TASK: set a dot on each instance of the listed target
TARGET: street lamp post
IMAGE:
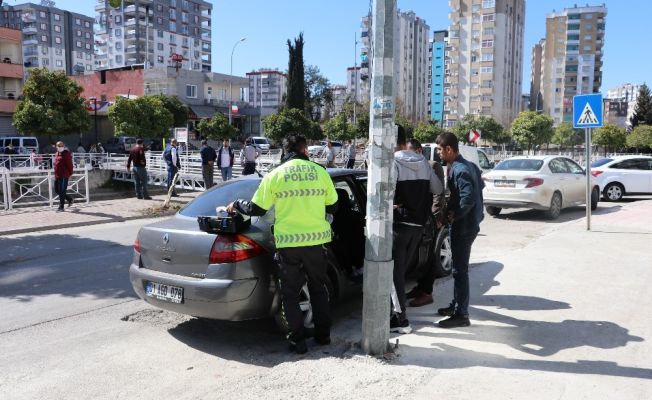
(231, 81)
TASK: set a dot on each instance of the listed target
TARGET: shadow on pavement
(538, 338)
(66, 265)
(567, 214)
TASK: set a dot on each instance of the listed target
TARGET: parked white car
(471, 153)
(318, 150)
(260, 142)
(548, 183)
(623, 175)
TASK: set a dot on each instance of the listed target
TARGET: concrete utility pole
(379, 264)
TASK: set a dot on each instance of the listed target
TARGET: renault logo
(166, 238)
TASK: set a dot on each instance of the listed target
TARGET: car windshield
(520, 164)
(602, 162)
(221, 195)
(260, 141)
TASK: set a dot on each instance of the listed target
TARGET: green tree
(610, 137)
(176, 107)
(531, 128)
(115, 3)
(567, 136)
(144, 116)
(52, 105)
(317, 92)
(287, 122)
(402, 121)
(640, 137)
(361, 114)
(217, 127)
(643, 108)
(338, 128)
(427, 132)
(296, 93)
(490, 129)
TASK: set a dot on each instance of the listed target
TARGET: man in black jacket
(416, 183)
(208, 157)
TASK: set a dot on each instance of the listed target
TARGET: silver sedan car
(178, 267)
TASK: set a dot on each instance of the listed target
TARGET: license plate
(505, 184)
(164, 292)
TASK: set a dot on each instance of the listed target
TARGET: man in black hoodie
(416, 183)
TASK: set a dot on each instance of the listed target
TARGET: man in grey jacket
(416, 183)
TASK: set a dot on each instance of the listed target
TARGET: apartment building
(11, 76)
(52, 38)
(436, 81)
(625, 96)
(572, 58)
(157, 33)
(536, 100)
(411, 65)
(354, 83)
(484, 61)
(267, 88)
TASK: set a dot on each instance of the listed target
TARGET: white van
(471, 153)
(260, 142)
(21, 144)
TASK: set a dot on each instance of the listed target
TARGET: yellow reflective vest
(299, 190)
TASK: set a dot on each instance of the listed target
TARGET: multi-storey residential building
(365, 58)
(268, 86)
(536, 100)
(436, 81)
(625, 96)
(411, 66)
(572, 58)
(11, 76)
(52, 38)
(339, 93)
(626, 92)
(484, 65)
(354, 83)
(157, 33)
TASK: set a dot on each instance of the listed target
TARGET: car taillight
(233, 248)
(532, 182)
(137, 246)
(596, 173)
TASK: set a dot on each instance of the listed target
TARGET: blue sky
(329, 28)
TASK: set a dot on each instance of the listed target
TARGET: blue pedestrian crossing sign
(587, 111)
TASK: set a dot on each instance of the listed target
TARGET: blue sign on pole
(587, 111)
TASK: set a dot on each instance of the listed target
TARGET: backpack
(167, 155)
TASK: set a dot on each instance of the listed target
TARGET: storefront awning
(201, 112)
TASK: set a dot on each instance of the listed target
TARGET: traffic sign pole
(587, 138)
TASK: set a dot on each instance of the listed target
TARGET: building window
(488, 17)
(44, 38)
(42, 14)
(185, 41)
(160, 59)
(87, 35)
(191, 91)
(487, 57)
(58, 52)
(57, 28)
(159, 7)
(173, 13)
(59, 63)
(87, 24)
(118, 19)
(77, 21)
(57, 17)
(88, 46)
(118, 59)
(118, 45)
(476, 19)
(159, 46)
(488, 31)
(80, 55)
(89, 56)
(173, 38)
(488, 3)
(45, 62)
(184, 17)
(88, 67)
(79, 33)
(173, 26)
(159, 33)
(487, 70)
(588, 16)
(209, 90)
(488, 43)
(588, 48)
(44, 27)
(78, 44)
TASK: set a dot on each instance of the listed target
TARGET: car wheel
(493, 211)
(443, 254)
(613, 192)
(595, 198)
(306, 310)
(555, 206)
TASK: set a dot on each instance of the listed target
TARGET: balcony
(8, 105)
(141, 2)
(28, 17)
(141, 22)
(9, 70)
(30, 29)
(29, 42)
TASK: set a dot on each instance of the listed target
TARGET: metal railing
(35, 187)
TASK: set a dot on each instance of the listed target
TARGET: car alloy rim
(556, 204)
(446, 254)
(305, 307)
(614, 193)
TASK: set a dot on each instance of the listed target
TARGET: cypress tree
(296, 79)
(643, 109)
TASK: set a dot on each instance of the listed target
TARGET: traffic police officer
(301, 192)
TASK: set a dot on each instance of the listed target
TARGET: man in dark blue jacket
(171, 157)
(464, 214)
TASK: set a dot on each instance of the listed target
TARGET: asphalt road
(72, 327)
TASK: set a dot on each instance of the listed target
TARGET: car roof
(333, 172)
(543, 158)
(620, 158)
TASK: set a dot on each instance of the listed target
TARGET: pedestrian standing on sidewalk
(330, 155)
(464, 215)
(301, 232)
(225, 160)
(208, 157)
(416, 183)
(62, 172)
(421, 294)
(171, 157)
(350, 152)
(139, 160)
(248, 158)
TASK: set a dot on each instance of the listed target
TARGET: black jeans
(249, 168)
(140, 181)
(406, 241)
(461, 249)
(60, 187)
(295, 265)
(351, 163)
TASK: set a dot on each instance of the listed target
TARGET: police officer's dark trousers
(295, 265)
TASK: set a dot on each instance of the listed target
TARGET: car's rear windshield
(221, 195)
(520, 164)
(260, 141)
(602, 162)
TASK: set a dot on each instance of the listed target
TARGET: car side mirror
(492, 164)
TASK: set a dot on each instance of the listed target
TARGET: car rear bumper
(223, 299)
(514, 204)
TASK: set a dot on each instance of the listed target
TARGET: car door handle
(166, 259)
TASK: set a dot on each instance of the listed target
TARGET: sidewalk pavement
(36, 219)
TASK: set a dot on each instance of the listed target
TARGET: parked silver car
(178, 267)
